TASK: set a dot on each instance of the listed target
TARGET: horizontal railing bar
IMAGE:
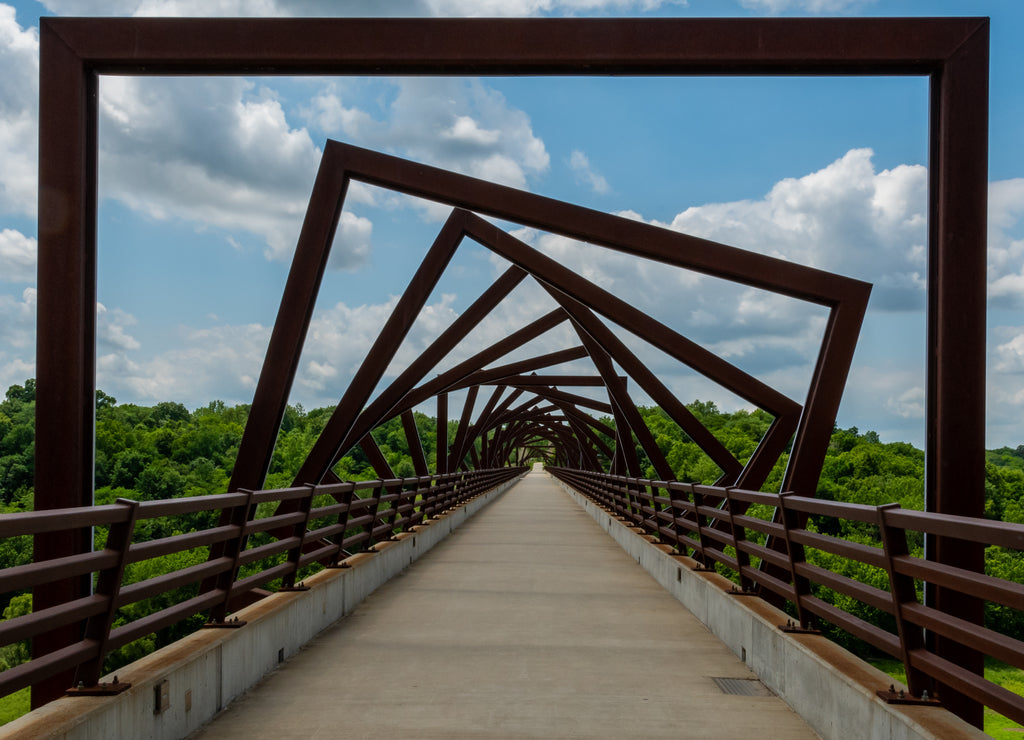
(168, 581)
(276, 547)
(121, 636)
(44, 620)
(998, 646)
(56, 569)
(967, 582)
(980, 689)
(261, 577)
(24, 523)
(189, 505)
(179, 543)
(844, 548)
(39, 669)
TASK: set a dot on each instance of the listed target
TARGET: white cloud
(458, 124)
(817, 7)
(15, 370)
(845, 218)
(350, 8)
(111, 329)
(17, 257)
(351, 242)
(19, 92)
(224, 361)
(1006, 243)
(910, 404)
(580, 164)
(18, 321)
(215, 151)
(1008, 355)
(215, 363)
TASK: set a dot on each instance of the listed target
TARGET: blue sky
(204, 182)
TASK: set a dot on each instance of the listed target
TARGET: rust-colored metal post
(955, 434)
(66, 321)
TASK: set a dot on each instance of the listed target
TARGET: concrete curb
(828, 686)
(206, 670)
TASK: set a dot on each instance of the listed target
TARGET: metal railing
(715, 526)
(322, 524)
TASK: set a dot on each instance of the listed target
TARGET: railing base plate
(902, 697)
(228, 625)
(100, 689)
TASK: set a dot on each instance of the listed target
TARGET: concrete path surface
(527, 621)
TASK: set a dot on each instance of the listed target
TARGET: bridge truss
(538, 413)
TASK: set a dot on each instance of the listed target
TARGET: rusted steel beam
(955, 422)
(339, 426)
(412, 437)
(624, 443)
(458, 445)
(625, 315)
(512, 371)
(650, 383)
(376, 412)
(480, 428)
(624, 404)
(554, 394)
(448, 380)
(441, 465)
(298, 301)
(376, 457)
(66, 324)
(392, 46)
(525, 381)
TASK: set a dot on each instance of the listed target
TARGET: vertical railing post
(703, 561)
(239, 518)
(392, 519)
(378, 491)
(108, 585)
(339, 553)
(739, 535)
(299, 532)
(901, 588)
(795, 554)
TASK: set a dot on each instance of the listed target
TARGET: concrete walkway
(528, 621)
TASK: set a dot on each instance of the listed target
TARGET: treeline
(167, 451)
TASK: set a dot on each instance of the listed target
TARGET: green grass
(14, 705)
(1008, 677)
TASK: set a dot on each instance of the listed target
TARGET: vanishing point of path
(527, 621)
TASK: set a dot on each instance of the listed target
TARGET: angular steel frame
(952, 52)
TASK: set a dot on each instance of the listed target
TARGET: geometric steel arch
(579, 298)
(951, 52)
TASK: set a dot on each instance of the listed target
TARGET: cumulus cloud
(215, 151)
(580, 164)
(224, 360)
(19, 92)
(112, 329)
(458, 124)
(846, 218)
(18, 321)
(1006, 243)
(17, 257)
(220, 362)
(1008, 352)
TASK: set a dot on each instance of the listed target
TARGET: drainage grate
(742, 686)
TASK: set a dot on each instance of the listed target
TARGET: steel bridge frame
(951, 52)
